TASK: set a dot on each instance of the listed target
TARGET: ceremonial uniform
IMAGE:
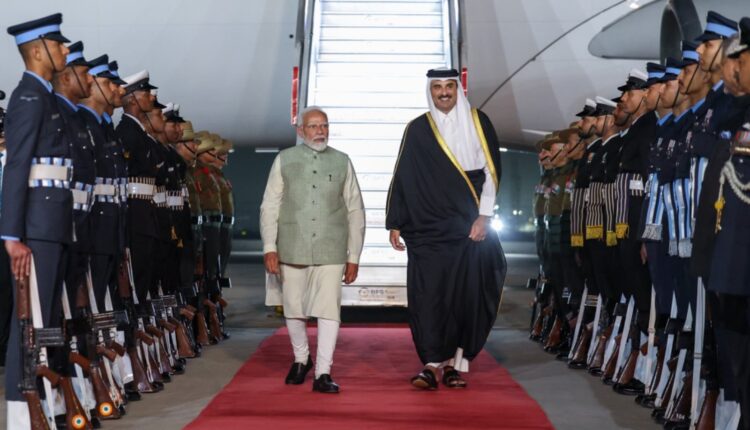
(227, 220)
(142, 164)
(37, 205)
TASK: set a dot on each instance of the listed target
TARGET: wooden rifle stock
(201, 329)
(154, 332)
(109, 354)
(143, 337)
(123, 279)
(75, 415)
(167, 325)
(105, 407)
(36, 413)
(184, 345)
(598, 359)
(116, 347)
(140, 378)
(37, 417)
(579, 356)
(707, 417)
(681, 411)
(609, 369)
(214, 323)
(187, 313)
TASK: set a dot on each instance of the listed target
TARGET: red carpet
(373, 365)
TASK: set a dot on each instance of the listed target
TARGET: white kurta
(309, 291)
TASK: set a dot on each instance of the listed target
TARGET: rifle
(141, 380)
(35, 340)
(184, 344)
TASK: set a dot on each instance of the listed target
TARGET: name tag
(636, 185)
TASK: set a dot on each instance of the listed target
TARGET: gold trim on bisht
(451, 157)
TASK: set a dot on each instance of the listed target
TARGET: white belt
(80, 197)
(174, 201)
(135, 188)
(49, 172)
(636, 185)
(160, 198)
(104, 190)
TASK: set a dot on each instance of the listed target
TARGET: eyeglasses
(316, 126)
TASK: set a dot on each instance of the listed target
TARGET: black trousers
(50, 259)
(142, 250)
(225, 248)
(604, 270)
(6, 300)
(635, 279)
(211, 244)
(103, 275)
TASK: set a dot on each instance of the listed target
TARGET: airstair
(364, 63)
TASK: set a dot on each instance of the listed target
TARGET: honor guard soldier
(118, 153)
(632, 171)
(37, 205)
(541, 309)
(729, 270)
(553, 207)
(210, 201)
(227, 204)
(142, 162)
(582, 153)
(71, 85)
(106, 214)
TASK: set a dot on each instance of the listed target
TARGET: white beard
(317, 146)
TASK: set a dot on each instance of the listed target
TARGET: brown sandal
(453, 379)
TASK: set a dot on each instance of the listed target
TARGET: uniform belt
(51, 172)
(197, 220)
(175, 202)
(140, 190)
(160, 198)
(212, 219)
(122, 189)
(105, 189)
(227, 219)
(81, 196)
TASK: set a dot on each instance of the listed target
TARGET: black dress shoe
(646, 400)
(297, 373)
(166, 377)
(158, 386)
(178, 368)
(595, 371)
(132, 396)
(577, 365)
(324, 384)
(632, 388)
(677, 425)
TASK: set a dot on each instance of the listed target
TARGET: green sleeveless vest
(313, 223)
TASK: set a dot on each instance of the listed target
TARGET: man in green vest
(312, 223)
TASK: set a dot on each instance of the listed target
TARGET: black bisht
(454, 284)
